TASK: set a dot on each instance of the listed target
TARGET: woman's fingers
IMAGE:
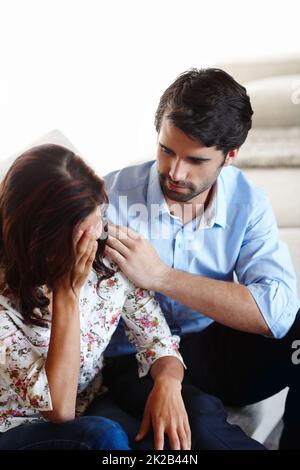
(83, 242)
(87, 264)
(144, 427)
(184, 439)
(188, 433)
(179, 438)
(159, 440)
(174, 439)
(85, 247)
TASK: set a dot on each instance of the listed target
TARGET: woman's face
(93, 221)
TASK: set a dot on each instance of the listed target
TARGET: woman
(60, 303)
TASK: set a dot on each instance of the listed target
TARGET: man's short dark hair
(207, 105)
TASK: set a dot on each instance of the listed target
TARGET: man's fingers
(117, 232)
(115, 256)
(131, 233)
(117, 245)
(123, 233)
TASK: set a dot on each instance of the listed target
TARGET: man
(195, 223)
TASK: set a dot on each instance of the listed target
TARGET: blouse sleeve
(147, 329)
(22, 368)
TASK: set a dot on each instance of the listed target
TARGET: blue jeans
(84, 433)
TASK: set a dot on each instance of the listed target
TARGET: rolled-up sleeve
(22, 369)
(264, 266)
(147, 329)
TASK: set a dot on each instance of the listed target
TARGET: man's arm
(226, 302)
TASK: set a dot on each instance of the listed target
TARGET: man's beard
(192, 190)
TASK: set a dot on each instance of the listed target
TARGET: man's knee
(200, 403)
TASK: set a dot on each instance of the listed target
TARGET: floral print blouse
(24, 389)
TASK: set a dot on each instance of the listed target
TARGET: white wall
(95, 69)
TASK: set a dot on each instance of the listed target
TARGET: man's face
(186, 167)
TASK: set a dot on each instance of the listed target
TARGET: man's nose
(177, 171)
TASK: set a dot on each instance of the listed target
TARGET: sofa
(271, 159)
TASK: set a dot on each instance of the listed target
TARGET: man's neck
(188, 211)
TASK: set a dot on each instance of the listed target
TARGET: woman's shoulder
(117, 282)
(8, 302)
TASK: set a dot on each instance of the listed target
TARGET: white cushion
(247, 71)
(282, 187)
(53, 137)
(270, 148)
(291, 236)
(275, 101)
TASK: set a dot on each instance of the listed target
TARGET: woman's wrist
(65, 297)
(166, 380)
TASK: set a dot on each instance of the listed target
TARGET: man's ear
(231, 156)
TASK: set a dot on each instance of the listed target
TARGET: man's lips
(175, 187)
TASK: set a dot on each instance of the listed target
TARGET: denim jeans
(84, 433)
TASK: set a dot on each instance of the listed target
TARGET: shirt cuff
(278, 305)
(159, 348)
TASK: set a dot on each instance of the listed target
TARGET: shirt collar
(215, 212)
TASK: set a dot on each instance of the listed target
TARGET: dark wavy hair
(207, 105)
(44, 196)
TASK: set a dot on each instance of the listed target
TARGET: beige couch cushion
(275, 101)
(283, 188)
(291, 236)
(244, 72)
(271, 148)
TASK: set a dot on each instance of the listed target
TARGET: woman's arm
(158, 353)
(47, 385)
(63, 358)
(165, 408)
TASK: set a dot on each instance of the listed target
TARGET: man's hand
(135, 256)
(165, 411)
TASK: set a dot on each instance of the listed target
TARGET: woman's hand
(165, 411)
(63, 359)
(85, 248)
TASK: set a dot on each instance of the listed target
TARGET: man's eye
(167, 151)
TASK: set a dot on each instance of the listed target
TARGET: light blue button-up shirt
(235, 238)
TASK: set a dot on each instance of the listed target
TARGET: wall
(96, 69)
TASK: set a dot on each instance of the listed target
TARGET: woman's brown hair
(44, 196)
